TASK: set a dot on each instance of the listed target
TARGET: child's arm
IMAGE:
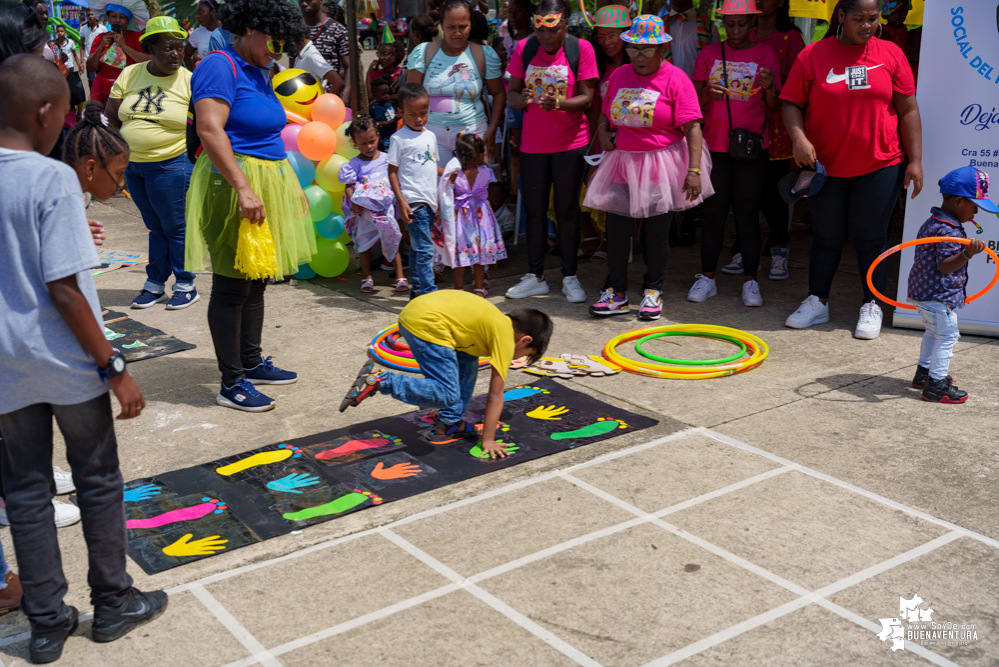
(955, 262)
(404, 211)
(74, 309)
(494, 407)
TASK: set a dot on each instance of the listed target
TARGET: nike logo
(832, 77)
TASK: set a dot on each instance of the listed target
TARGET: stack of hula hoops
(686, 369)
(389, 349)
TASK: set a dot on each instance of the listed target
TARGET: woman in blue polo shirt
(243, 173)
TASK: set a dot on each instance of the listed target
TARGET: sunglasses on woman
(642, 52)
(274, 45)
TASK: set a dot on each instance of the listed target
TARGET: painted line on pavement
(249, 642)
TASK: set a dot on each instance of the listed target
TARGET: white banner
(958, 95)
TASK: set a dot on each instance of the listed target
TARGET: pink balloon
(348, 116)
(290, 136)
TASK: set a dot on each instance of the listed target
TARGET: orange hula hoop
(931, 239)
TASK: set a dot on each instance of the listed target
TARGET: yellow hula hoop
(757, 346)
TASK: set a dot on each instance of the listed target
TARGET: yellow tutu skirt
(213, 216)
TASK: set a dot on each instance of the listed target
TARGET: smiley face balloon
(297, 90)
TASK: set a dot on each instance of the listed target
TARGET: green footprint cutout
(338, 506)
(137, 343)
(476, 451)
(597, 428)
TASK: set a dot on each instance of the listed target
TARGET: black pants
(92, 451)
(655, 248)
(539, 171)
(236, 319)
(859, 209)
(738, 186)
(77, 95)
(774, 207)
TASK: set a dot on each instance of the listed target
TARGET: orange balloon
(316, 140)
(329, 109)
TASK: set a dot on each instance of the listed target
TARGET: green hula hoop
(695, 362)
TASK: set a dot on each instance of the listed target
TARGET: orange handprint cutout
(398, 471)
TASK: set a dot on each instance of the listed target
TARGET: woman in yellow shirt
(149, 104)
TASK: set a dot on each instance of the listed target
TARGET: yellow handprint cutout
(206, 546)
(548, 412)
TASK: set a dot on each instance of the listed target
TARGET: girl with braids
(243, 173)
(850, 105)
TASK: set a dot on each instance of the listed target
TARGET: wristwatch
(694, 170)
(116, 366)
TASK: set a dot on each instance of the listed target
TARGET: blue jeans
(940, 337)
(448, 382)
(421, 250)
(159, 190)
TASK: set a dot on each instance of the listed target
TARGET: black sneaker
(111, 623)
(941, 391)
(922, 375)
(47, 646)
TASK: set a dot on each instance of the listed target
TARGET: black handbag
(742, 144)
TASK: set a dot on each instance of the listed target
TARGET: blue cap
(786, 186)
(971, 183)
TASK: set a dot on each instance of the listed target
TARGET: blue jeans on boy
(448, 382)
(940, 337)
(421, 250)
(159, 190)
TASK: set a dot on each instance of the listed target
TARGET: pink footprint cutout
(352, 446)
(182, 514)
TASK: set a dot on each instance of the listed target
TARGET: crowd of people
(608, 141)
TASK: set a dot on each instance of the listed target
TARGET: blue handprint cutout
(291, 483)
(141, 493)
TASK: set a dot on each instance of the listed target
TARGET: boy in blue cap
(939, 276)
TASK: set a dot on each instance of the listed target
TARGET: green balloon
(320, 202)
(344, 238)
(331, 258)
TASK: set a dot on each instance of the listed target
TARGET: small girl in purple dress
(469, 234)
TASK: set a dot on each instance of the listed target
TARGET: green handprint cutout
(338, 506)
(477, 452)
(599, 427)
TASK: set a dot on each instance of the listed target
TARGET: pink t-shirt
(600, 92)
(749, 109)
(553, 131)
(648, 112)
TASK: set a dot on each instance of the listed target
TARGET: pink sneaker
(610, 304)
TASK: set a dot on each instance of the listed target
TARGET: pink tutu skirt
(643, 184)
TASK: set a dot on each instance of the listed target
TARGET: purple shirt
(926, 283)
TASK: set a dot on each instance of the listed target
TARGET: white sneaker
(529, 285)
(63, 481)
(751, 294)
(811, 311)
(65, 514)
(702, 289)
(869, 323)
(573, 291)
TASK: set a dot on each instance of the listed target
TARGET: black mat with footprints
(137, 341)
(198, 512)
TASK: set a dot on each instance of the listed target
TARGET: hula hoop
(756, 346)
(388, 350)
(691, 362)
(931, 239)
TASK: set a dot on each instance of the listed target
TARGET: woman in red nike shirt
(848, 99)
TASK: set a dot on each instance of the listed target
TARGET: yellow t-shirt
(464, 322)
(153, 112)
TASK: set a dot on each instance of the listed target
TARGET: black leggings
(738, 185)
(859, 209)
(774, 207)
(539, 172)
(655, 247)
(236, 319)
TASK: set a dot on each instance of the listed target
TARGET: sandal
(586, 255)
(481, 292)
(452, 432)
(368, 285)
(401, 285)
(360, 389)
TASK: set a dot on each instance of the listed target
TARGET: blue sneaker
(734, 268)
(268, 373)
(243, 396)
(181, 300)
(147, 299)
(778, 266)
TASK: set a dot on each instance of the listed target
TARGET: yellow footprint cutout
(260, 459)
